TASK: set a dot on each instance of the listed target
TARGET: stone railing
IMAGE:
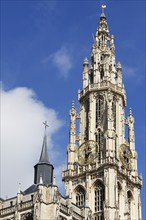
(82, 169)
(102, 85)
(7, 211)
(25, 205)
(20, 206)
(77, 216)
(134, 179)
(64, 209)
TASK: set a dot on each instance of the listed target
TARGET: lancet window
(99, 201)
(101, 74)
(129, 200)
(119, 194)
(99, 110)
(87, 118)
(91, 77)
(99, 140)
(80, 197)
(114, 111)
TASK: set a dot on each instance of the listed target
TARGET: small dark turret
(43, 170)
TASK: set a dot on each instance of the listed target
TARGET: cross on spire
(45, 124)
(103, 7)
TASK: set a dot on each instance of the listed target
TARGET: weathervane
(103, 7)
(45, 123)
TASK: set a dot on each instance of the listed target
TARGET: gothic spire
(44, 169)
(102, 32)
(44, 153)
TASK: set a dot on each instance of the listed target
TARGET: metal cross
(45, 123)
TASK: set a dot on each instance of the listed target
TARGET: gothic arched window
(99, 201)
(91, 77)
(80, 197)
(101, 74)
(119, 193)
(99, 140)
(99, 110)
(87, 118)
(114, 111)
(129, 200)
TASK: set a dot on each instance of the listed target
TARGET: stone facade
(101, 179)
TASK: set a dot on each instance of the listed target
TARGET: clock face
(87, 152)
(126, 156)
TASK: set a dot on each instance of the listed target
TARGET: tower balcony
(100, 86)
(97, 167)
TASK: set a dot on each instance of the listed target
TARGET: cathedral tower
(102, 175)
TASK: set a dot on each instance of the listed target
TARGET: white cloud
(129, 71)
(62, 60)
(22, 133)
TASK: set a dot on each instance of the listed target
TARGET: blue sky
(43, 44)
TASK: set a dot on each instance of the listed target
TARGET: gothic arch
(96, 182)
(99, 194)
(99, 136)
(80, 194)
(129, 195)
(100, 106)
(119, 186)
(129, 201)
(119, 191)
(114, 110)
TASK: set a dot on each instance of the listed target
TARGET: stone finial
(119, 65)
(85, 61)
(112, 39)
(19, 188)
(73, 105)
(41, 179)
(130, 111)
(54, 180)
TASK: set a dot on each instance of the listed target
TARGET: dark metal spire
(44, 153)
(43, 169)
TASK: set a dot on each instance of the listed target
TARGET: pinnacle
(119, 65)
(85, 61)
(130, 111)
(73, 105)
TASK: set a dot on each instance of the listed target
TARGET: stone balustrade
(103, 85)
(12, 209)
(108, 161)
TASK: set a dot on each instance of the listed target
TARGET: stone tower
(102, 175)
